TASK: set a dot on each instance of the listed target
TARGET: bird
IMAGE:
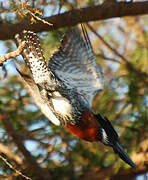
(64, 86)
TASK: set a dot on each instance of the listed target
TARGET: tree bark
(75, 16)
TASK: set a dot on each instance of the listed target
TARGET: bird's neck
(86, 128)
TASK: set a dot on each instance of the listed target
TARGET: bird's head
(110, 138)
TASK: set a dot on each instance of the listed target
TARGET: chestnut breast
(86, 128)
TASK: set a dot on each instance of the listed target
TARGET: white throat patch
(61, 104)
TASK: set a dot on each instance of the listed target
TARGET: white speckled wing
(75, 65)
(33, 56)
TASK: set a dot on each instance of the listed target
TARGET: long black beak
(123, 155)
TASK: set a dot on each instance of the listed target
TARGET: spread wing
(75, 65)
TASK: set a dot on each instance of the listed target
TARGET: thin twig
(106, 44)
(6, 150)
(12, 54)
(17, 171)
(142, 75)
(110, 59)
(39, 19)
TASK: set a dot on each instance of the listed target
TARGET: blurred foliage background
(121, 48)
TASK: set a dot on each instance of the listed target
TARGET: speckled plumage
(33, 56)
(64, 89)
(70, 80)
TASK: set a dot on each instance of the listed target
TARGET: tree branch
(4, 149)
(12, 54)
(11, 167)
(31, 162)
(75, 16)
